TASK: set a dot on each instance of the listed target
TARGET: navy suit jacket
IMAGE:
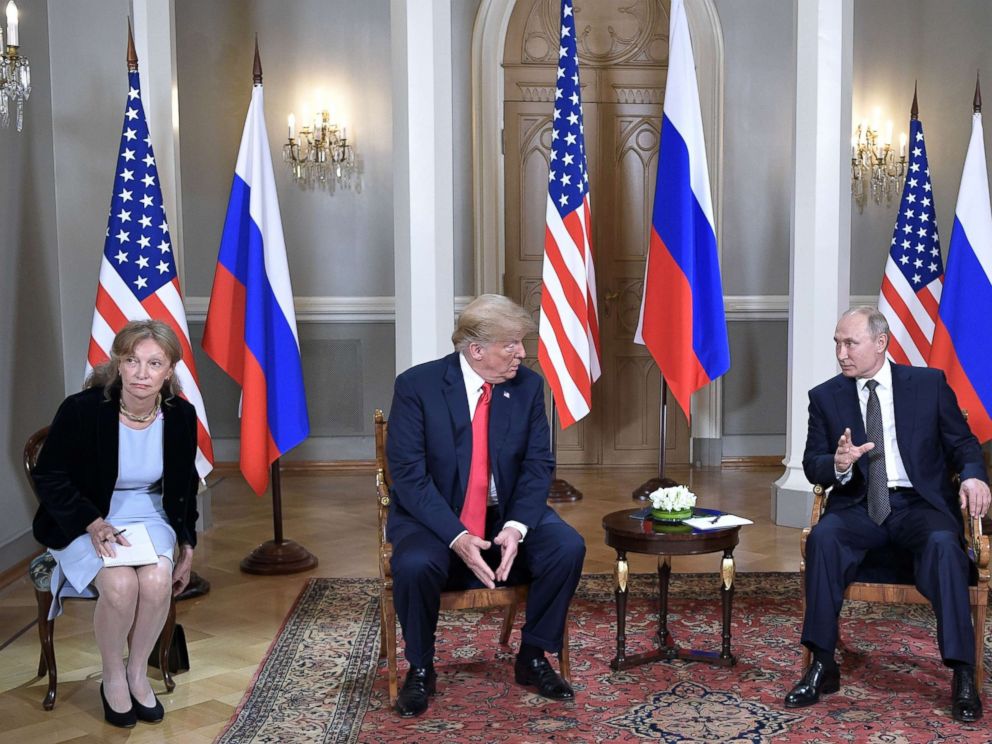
(429, 449)
(934, 439)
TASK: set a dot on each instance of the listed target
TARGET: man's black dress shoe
(538, 672)
(966, 706)
(818, 679)
(420, 684)
(127, 719)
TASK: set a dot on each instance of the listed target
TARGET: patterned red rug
(322, 681)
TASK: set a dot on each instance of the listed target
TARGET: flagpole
(561, 491)
(644, 490)
(278, 556)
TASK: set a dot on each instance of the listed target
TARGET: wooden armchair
(509, 597)
(886, 576)
(40, 572)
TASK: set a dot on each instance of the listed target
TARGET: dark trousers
(837, 545)
(550, 559)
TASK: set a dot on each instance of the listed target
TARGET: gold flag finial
(132, 54)
(257, 69)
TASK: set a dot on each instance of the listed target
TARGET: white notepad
(141, 551)
(725, 520)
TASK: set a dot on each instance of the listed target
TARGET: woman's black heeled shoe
(127, 719)
(148, 714)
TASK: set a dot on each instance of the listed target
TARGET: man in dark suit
(470, 460)
(889, 438)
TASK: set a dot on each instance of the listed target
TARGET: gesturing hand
(507, 539)
(469, 548)
(975, 495)
(847, 454)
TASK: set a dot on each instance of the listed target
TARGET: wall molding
(383, 309)
(329, 309)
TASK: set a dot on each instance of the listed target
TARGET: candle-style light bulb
(292, 126)
(902, 144)
(12, 36)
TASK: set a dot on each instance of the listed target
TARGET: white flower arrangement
(674, 499)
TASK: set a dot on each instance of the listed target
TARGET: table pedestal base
(667, 650)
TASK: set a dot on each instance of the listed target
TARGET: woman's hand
(180, 574)
(104, 536)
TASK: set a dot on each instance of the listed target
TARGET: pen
(121, 532)
(716, 519)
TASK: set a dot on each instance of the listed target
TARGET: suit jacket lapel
(108, 441)
(849, 412)
(903, 397)
(499, 424)
(461, 422)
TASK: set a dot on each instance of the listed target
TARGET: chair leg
(383, 642)
(978, 617)
(46, 634)
(509, 615)
(165, 644)
(564, 662)
(389, 631)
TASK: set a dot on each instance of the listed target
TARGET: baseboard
(746, 462)
(16, 556)
(326, 467)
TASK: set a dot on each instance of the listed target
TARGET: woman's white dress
(137, 498)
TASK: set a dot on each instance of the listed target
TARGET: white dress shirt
(895, 470)
(473, 390)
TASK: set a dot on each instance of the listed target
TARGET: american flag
(914, 271)
(568, 347)
(138, 277)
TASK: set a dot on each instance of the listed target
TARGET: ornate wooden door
(623, 59)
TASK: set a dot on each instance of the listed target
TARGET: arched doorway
(623, 51)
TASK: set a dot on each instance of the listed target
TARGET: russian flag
(961, 338)
(251, 323)
(682, 320)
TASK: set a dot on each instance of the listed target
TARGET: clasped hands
(974, 493)
(469, 548)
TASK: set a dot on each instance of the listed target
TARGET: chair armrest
(819, 504)
(385, 547)
(976, 541)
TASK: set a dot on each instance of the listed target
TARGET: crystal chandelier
(875, 168)
(321, 155)
(15, 73)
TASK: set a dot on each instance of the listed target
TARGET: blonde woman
(122, 451)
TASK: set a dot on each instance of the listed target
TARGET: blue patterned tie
(878, 481)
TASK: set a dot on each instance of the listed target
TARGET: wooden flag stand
(278, 556)
(643, 491)
(561, 491)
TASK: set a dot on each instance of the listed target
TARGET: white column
(155, 42)
(821, 235)
(423, 203)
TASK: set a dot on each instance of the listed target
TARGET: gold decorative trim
(539, 93)
(622, 573)
(638, 94)
(727, 572)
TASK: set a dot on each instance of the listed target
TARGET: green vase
(671, 516)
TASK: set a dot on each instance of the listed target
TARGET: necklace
(143, 418)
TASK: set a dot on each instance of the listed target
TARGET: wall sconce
(15, 73)
(875, 168)
(320, 154)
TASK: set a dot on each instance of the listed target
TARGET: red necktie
(477, 495)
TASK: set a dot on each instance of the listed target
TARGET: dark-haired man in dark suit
(470, 460)
(889, 438)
